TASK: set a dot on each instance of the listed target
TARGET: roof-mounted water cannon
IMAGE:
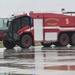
(63, 10)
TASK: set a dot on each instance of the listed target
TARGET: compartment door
(38, 29)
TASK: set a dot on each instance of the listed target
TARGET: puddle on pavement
(37, 60)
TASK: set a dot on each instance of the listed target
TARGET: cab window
(16, 25)
(25, 21)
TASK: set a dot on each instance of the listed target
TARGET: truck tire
(72, 40)
(46, 44)
(63, 39)
(8, 44)
(26, 41)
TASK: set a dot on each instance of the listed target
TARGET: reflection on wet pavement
(37, 61)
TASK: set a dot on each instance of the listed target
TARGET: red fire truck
(48, 28)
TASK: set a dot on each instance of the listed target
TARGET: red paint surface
(60, 67)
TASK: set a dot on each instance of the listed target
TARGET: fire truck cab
(48, 28)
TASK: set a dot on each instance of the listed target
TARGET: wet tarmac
(38, 60)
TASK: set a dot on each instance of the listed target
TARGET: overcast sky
(9, 7)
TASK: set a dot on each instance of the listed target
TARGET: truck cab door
(16, 26)
(13, 29)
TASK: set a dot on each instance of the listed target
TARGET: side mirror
(7, 23)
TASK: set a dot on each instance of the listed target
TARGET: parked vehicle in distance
(3, 27)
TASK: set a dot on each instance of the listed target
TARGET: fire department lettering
(51, 21)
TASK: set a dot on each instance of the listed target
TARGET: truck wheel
(26, 41)
(72, 40)
(8, 44)
(46, 44)
(63, 39)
